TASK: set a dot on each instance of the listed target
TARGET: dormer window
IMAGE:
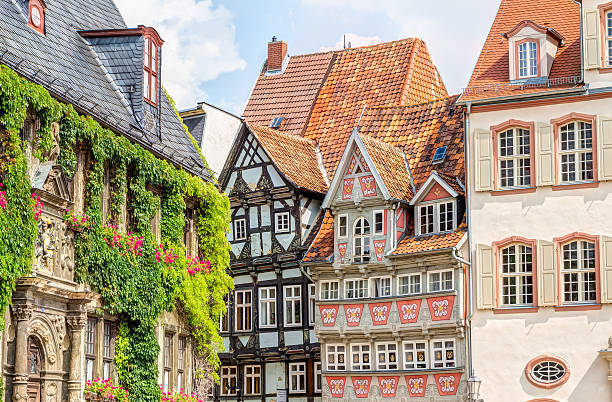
(150, 71)
(436, 217)
(528, 59)
(36, 18)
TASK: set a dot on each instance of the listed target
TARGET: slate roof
(322, 248)
(420, 244)
(391, 73)
(491, 76)
(290, 94)
(195, 124)
(92, 75)
(295, 156)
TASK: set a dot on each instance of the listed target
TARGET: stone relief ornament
(66, 259)
(51, 392)
(44, 248)
(22, 313)
(60, 326)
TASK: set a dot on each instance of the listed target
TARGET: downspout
(579, 2)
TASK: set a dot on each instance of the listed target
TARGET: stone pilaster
(22, 314)
(75, 379)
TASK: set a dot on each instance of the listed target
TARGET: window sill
(605, 70)
(573, 186)
(578, 307)
(515, 310)
(509, 191)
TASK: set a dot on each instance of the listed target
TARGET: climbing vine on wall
(128, 267)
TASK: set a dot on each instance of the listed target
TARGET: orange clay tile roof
(419, 244)
(290, 94)
(418, 130)
(322, 248)
(492, 66)
(392, 73)
(390, 164)
(295, 156)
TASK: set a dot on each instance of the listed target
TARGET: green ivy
(137, 287)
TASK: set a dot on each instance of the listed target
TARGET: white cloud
(454, 31)
(353, 40)
(199, 42)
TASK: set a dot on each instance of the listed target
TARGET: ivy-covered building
(110, 230)
(298, 119)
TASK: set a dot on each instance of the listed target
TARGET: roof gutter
(524, 97)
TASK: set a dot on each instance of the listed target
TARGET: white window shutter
(604, 143)
(484, 161)
(486, 277)
(545, 157)
(547, 274)
(606, 269)
(591, 40)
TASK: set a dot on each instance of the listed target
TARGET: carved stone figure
(45, 246)
(55, 132)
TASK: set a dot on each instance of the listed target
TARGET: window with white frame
(443, 353)
(293, 305)
(297, 377)
(415, 355)
(361, 240)
(267, 307)
(517, 275)
(576, 151)
(379, 222)
(528, 59)
(609, 37)
(336, 357)
(318, 385)
(330, 290)
(514, 162)
(240, 232)
(243, 310)
(282, 222)
(229, 376)
(360, 357)
(252, 380)
(437, 217)
(409, 284)
(90, 348)
(440, 281)
(381, 287)
(342, 225)
(578, 270)
(312, 297)
(386, 356)
(356, 288)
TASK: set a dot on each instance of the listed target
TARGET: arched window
(516, 275)
(361, 240)
(576, 151)
(36, 19)
(578, 267)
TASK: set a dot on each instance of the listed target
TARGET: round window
(36, 17)
(547, 371)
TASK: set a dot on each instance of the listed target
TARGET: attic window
(149, 85)
(276, 122)
(36, 18)
(439, 155)
(527, 59)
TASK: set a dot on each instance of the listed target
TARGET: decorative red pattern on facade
(342, 251)
(379, 249)
(388, 386)
(353, 313)
(447, 383)
(441, 308)
(368, 185)
(416, 385)
(329, 313)
(361, 385)
(380, 313)
(347, 189)
(409, 310)
(336, 386)
(437, 192)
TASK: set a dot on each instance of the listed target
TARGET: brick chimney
(277, 50)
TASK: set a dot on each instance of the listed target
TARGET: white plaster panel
(241, 157)
(262, 155)
(242, 279)
(266, 242)
(285, 239)
(244, 339)
(289, 202)
(230, 232)
(237, 248)
(268, 339)
(253, 218)
(226, 343)
(291, 273)
(277, 180)
(240, 211)
(252, 176)
(256, 245)
(294, 338)
(278, 205)
(313, 337)
(265, 215)
(219, 133)
(230, 182)
(266, 276)
(275, 377)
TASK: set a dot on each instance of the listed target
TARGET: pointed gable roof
(392, 73)
(490, 78)
(322, 248)
(296, 157)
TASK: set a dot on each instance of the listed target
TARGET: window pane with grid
(243, 310)
(440, 281)
(312, 303)
(443, 353)
(427, 219)
(293, 305)
(609, 37)
(330, 290)
(517, 275)
(579, 276)
(91, 336)
(415, 355)
(361, 241)
(356, 288)
(410, 284)
(514, 158)
(576, 152)
(342, 226)
(360, 357)
(379, 222)
(267, 307)
(228, 380)
(297, 377)
(318, 377)
(336, 358)
(252, 376)
(446, 216)
(382, 287)
(182, 347)
(386, 356)
(282, 222)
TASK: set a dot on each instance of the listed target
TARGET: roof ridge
(438, 100)
(292, 136)
(358, 47)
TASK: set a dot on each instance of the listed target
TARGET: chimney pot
(274, 39)
(277, 51)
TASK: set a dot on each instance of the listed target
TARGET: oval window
(36, 17)
(547, 371)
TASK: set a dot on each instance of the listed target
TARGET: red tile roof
(492, 67)
(392, 73)
(295, 156)
(290, 94)
(419, 244)
(322, 248)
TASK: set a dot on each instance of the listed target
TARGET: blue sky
(214, 49)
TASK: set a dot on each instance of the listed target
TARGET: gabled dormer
(439, 205)
(532, 49)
